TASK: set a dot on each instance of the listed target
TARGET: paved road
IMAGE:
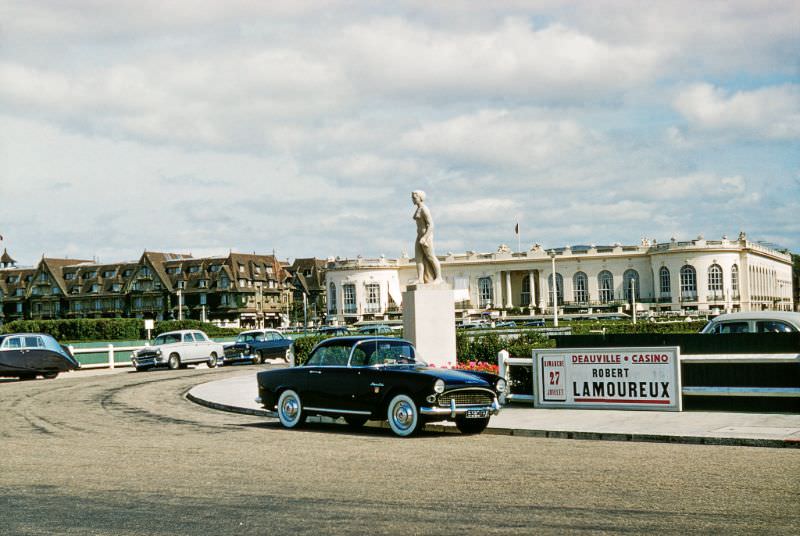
(126, 454)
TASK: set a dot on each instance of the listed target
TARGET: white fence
(110, 350)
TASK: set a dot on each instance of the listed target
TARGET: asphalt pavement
(237, 394)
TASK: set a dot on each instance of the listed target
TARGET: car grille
(466, 398)
(147, 355)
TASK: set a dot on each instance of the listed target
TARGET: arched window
(715, 277)
(605, 283)
(664, 282)
(525, 297)
(735, 280)
(580, 284)
(485, 292)
(630, 279)
(559, 289)
(688, 282)
(332, 298)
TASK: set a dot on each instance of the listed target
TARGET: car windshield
(167, 338)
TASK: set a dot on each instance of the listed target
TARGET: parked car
(257, 345)
(505, 324)
(27, 355)
(374, 329)
(536, 322)
(333, 330)
(754, 322)
(177, 349)
(379, 378)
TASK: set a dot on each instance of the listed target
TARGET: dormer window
(55, 291)
(116, 287)
(74, 290)
(224, 282)
(215, 268)
(95, 288)
(109, 273)
(69, 276)
(181, 284)
(19, 292)
(242, 282)
(257, 269)
(127, 273)
(194, 269)
(202, 283)
(241, 268)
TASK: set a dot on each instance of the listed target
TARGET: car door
(330, 382)
(188, 348)
(202, 346)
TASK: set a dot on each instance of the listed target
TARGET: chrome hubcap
(290, 408)
(403, 414)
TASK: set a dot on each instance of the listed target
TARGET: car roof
(262, 330)
(792, 318)
(181, 332)
(26, 334)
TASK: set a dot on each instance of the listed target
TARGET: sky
(301, 127)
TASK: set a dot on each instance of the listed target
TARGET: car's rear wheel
(354, 421)
(403, 416)
(471, 426)
(290, 409)
(174, 361)
(212, 360)
(287, 354)
(50, 374)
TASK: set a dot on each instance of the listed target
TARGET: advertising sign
(619, 378)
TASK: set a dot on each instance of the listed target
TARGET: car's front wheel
(290, 409)
(471, 426)
(174, 361)
(258, 358)
(212, 360)
(287, 354)
(403, 416)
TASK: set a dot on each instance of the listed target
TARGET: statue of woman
(428, 268)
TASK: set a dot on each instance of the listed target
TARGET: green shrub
(210, 329)
(81, 329)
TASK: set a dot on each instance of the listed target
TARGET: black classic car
(27, 355)
(379, 378)
(257, 345)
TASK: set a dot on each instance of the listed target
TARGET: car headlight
(158, 352)
(500, 386)
(438, 386)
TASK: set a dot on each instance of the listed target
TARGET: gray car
(754, 322)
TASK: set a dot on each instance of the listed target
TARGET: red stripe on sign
(617, 401)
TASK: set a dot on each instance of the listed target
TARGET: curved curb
(548, 434)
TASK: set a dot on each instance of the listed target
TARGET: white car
(754, 322)
(178, 348)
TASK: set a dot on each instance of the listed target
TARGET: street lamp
(555, 288)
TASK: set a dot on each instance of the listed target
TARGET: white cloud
(498, 138)
(771, 112)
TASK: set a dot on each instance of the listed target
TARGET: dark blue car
(257, 345)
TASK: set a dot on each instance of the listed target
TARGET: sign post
(608, 378)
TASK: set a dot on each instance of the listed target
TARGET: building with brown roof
(236, 290)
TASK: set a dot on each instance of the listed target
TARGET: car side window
(34, 342)
(773, 326)
(359, 358)
(330, 356)
(187, 337)
(13, 342)
(735, 327)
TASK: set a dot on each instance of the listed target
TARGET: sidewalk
(697, 427)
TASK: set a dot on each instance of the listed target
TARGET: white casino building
(695, 276)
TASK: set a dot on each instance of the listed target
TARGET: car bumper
(148, 361)
(235, 358)
(453, 410)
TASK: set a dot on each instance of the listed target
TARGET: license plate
(477, 414)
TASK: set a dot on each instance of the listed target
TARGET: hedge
(80, 329)
(108, 329)
(210, 329)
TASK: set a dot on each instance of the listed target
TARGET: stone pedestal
(429, 322)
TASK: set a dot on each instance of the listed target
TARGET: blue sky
(303, 126)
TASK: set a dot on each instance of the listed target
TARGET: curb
(549, 434)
